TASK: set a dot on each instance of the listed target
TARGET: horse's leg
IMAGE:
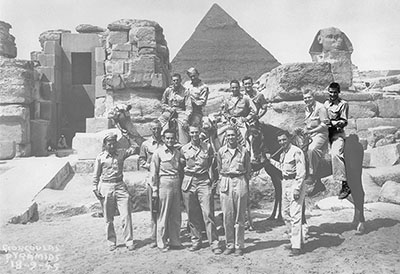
(249, 218)
(276, 181)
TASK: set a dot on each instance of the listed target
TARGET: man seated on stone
(258, 98)
(338, 110)
(176, 103)
(316, 120)
(198, 94)
(238, 109)
(197, 158)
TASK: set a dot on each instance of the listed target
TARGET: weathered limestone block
(389, 107)
(387, 140)
(142, 34)
(392, 88)
(51, 35)
(362, 110)
(7, 149)
(286, 82)
(365, 123)
(381, 82)
(377, 133)
(286, 115)
(23, 150)
(333, 46)
(122, 47)
(380, 175)
(388, 155)
(39, 137)
(390, 192)
(14, 123)
(117, 37)
(94, 125)
(16, 81)
(119, 55)
(7, 41)
(88, 28)
(322, 95)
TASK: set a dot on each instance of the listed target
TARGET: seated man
(238, 109)
(316, 126)
(338, 110)
(176, 103)
(257, 97)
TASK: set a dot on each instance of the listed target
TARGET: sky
(286, 28)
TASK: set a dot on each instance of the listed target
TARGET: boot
(345, 191)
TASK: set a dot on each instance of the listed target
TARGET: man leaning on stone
(196, 157)
(338, 110)
(146, 152)
(234, 169)
(198, 94)
(108, 184)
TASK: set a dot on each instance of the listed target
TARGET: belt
(194, 174)
(232, 175)
(112, 181)
(170, 175)
(289, 177)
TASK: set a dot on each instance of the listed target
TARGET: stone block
(366, 123)
(87, 145)
(146, 44)
(390, 192)
(362, 110)
(51, 35)
(286, 115)
(39, 137)
(142, 34)
(43, 110)
(47, 60)
(88, 28)
(392, 88)
(380, 175)
(388, 155)
(117, 37)
(99, 54)
(115, 66)
(99, 90)
(145, 63)
(94, 125)
(7, 150)
(389, 107)
(50, 47)
(119, 55)
(47, 90)
(23, 150)
(122, 47)
(16, 94)
(144, 51)
(35, 55)
(48, 74)
(14, 123)
(332, 203)
(80, 42)
(100, 68)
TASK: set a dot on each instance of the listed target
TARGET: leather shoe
(131, 247)
(176, 247)
(112, 247)
(229, 251)
(345, 191)
(239, 252)
(195, 247)
(295, 252)
(165, 249)
(287, 247)
(153, 245)
(217, 251)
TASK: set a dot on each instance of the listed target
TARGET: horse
(353, 157)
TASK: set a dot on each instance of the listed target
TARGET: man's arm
(247, 165)
(164, 100)
(344, 113)
(264, 106)
(252, 109)
(201, 100)
(300, 170)
(133, 149)
(154, 173)
(143, 155)
(324, 121)
(188, 103)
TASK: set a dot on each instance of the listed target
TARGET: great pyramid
(221, 50)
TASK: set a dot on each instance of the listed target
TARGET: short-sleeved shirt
(109, 167)
(147, 150)
(239, 106)
(198, 95)
(234, 164)
(316, 115)
(258, 99)
(337, 110)
(197, 158)
(179, 98)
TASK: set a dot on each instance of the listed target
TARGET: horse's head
(255, 139)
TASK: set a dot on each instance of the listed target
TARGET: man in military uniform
(197, 156)
(198, 94)
(108, 168)
(316, 122)
(239, 109)
(165, 169)
(176, 103)
(257, 97)
(146, 152)
(338, 110)
(293, 167)
(234, 169)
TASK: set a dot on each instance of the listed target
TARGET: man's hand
(296, 194)
(154, 194)
(98, 194)
(267, 156)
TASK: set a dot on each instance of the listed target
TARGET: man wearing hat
(198, 94)
(108, 185)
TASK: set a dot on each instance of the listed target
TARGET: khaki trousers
(169, 217)
(292, 211)
(234, 198)
(337, 154)
(316, 151)
(117, 194)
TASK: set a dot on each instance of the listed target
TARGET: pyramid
(221, 50)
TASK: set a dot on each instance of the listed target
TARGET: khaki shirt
(109, 167)
(240, 106)
(292, 163)
(179, 99)
(165, 162)
(337, 110)
(198, 95)
(316, 115)
(146, 152)
(258, 99)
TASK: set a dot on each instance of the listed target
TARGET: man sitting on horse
(257, 97)
(238, 109)
(316, 127)
(176, 104)
(338, 110)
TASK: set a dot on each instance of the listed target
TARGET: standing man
(293, 168)
(257, 97)
(108, 169)
(146, 152)
(316, 122)
(338, 110)
(197, 157)
(165, 172)
(176, 103)
(239, 109)
(234, 169)
(198, 93)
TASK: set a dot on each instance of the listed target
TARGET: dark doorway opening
(81, 68)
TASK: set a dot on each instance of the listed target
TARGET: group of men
(180, 166)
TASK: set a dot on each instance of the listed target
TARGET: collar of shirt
(154, 141)
(252, 93)
(166, 149)
(335, 102)
(238, 148)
